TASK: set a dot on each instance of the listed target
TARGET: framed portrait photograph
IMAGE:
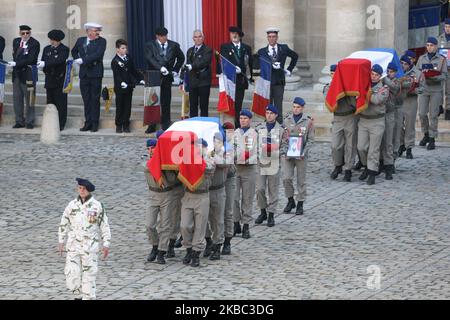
(295, 147)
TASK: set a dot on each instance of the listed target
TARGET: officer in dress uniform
(299, 127)
(53, 61)
(270, 136)
(198, 65)
(25, 54)
(245, 142)
(277, 54)
(83, 224)
(239, 54)
(343, 134)
(444, 42)
(88, 52)
(434, 74)
(371, 127)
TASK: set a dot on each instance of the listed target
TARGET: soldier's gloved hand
(124, 85)
(164, 71)
(142, 83)
(174, 74)
(288, 73)
(276, 65)
(61, 249)
(78, 61)
(238, 70)
(105, 252)
(41, 64)
(12, 64)
(189, 66)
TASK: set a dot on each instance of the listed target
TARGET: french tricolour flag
(2, 87)
(261, 97)
(381, 56)
(227, 87)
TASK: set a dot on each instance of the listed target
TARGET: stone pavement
(401, 228)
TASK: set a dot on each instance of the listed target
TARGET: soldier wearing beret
(53, 61)
(230, 189)
(444, 42)
(83, 224)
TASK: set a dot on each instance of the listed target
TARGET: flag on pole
(2, 87)
(261, 98)
(68, 79)
(227, 85)
(152, 98)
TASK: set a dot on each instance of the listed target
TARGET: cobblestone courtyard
(402, 227)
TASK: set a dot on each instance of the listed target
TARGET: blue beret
(392, 66)
(151, 143)
(406, 59)
(159, 133)
(447, 21)
(272, 108)
(246, 113)
(410, 53)
(87, 184)
(299, 101)
(378, 69)
(432, 40)
(333, 68)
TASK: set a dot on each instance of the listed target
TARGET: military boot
(372, 175)
(216, 252)
(226, 251)
(152, 256)
(246, 231)
(208, 249)
(337, 171)
(425, 140)
(364, 175)
(409, 154)
(195, 259)
(401, 150)
(389, 172)
(262, 217)
(188, 257)
(299, 210)
(160, 258)
(270, 220)
(358, 166)
(348, 176)
(290, 206)
(237, 229)
(171, 251)
(431, 145)
(381, 167)
(179, 242)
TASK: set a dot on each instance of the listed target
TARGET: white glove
(238, 70)
(78, 61)
(11, 64)
(124, 85)
(164, 71)
(277, 65)
(288, 73)
(41, 64)
(174, 74)
(189, 66)
(142, 83)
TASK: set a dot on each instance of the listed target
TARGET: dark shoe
(262, 217)
(171, 251)
(94, 128)
(372, 175)
(126, 130)
(18, 126)
(389, 171)
(226, 250)
(441, 111)
(151, 128)
(401, 150)
(425, 140)
(208, 249)
(246, 231)
(237, 228)
(30, 126)
(447, 114)
(409, 154)
(348, 176)
(364, 175)
(119, 129)
(431, 145)
(299, 210)
(188, 257)
(152, 256)
(195, 259)
(358, 166)
(179, 242)
(216, 252)
(160, 258)
(270, 220)
(290, 206)
(337, 171)
(85, 128)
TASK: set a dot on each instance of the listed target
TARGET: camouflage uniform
(83, 224)
(409, 110)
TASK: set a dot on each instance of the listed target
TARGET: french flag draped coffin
(178, 150)
(352, 76)
(261, 97)
(227, 88)
(2, 87)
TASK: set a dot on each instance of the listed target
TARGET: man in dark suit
(198, 64)
(25, 54)
(166, 57)
(240, 54)
(2, 46)
(277, 54)
(53, 61)
(88, 52)
(125, 79)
